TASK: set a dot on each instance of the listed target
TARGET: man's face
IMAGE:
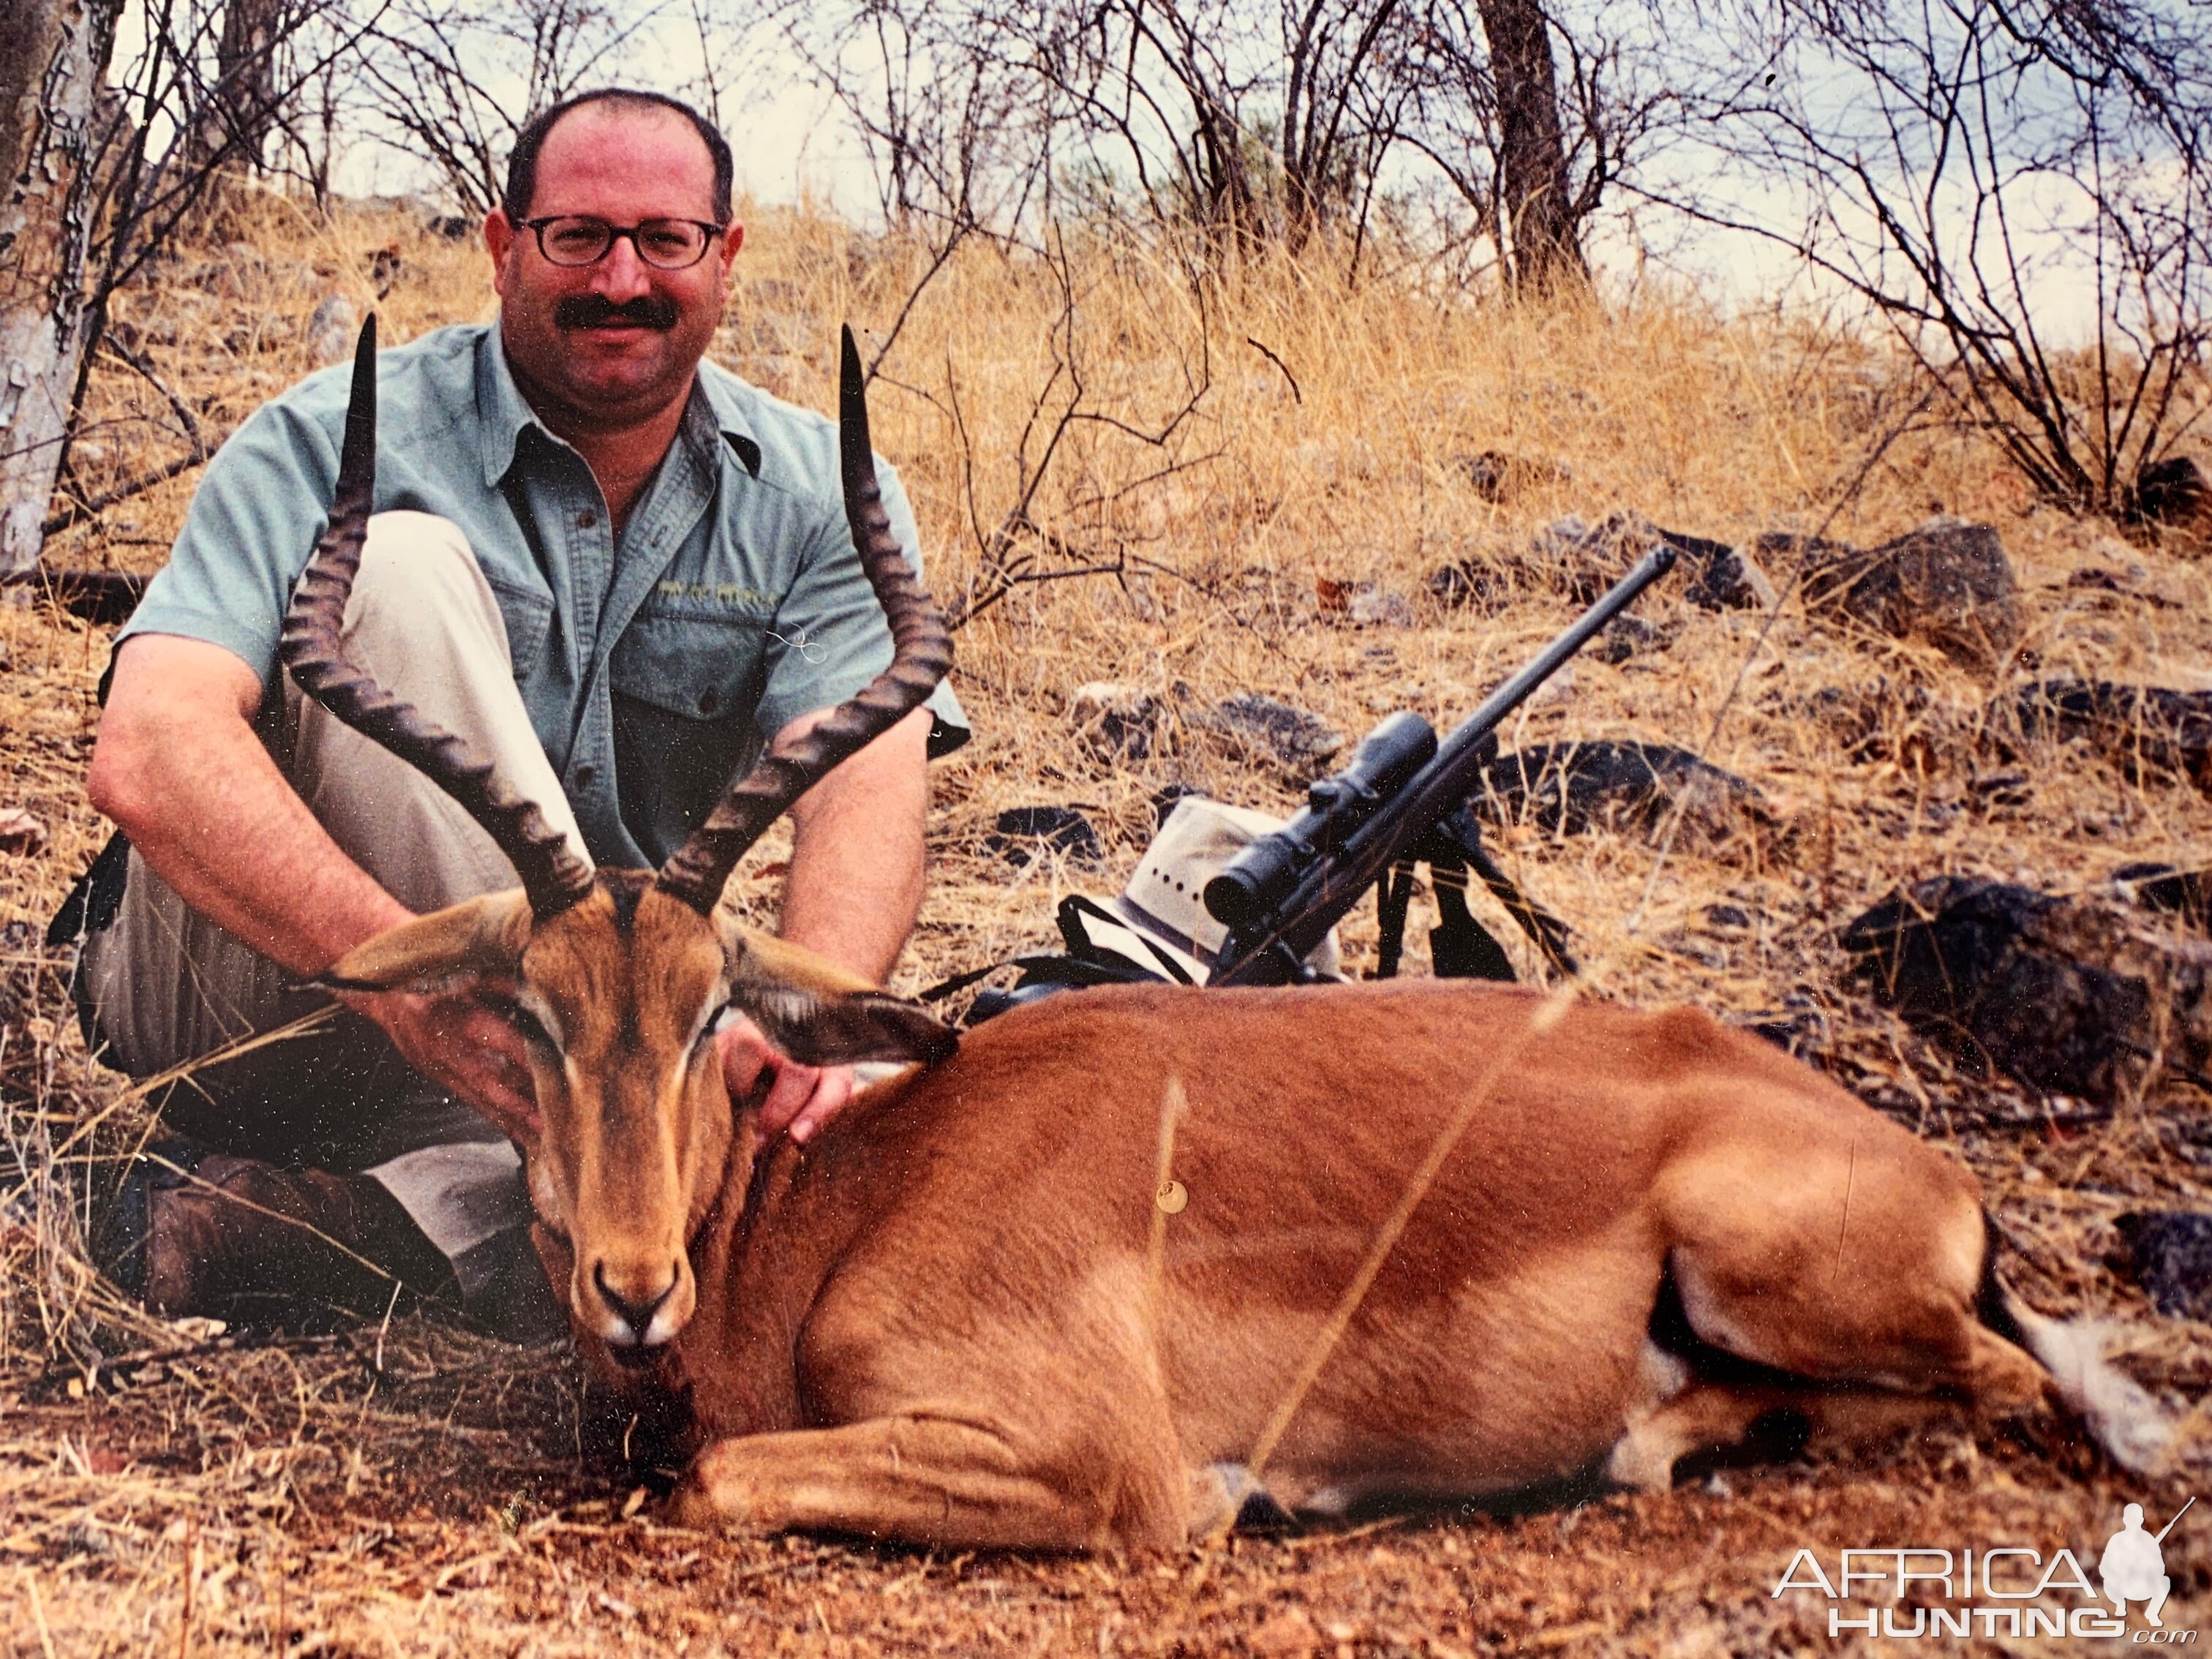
(615, 342)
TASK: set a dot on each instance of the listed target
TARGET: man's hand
(798, 1098)
(464, 1042)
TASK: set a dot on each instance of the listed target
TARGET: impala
(1057, 1285)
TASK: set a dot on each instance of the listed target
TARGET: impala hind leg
(1726, 1417)
(931, 1481)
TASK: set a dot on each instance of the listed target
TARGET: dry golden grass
(418, 1492)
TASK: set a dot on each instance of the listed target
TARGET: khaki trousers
(167, 985)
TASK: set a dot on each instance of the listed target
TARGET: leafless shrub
(1975, 173)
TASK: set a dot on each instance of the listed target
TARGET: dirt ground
(409, 1488)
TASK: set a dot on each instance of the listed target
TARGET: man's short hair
(522, 160)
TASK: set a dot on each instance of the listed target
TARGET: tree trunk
(245, 65)
(1536, 230)
(53, 55)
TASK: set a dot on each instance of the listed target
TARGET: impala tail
(2121, 1417)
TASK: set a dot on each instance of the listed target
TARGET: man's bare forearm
(179, 767)
(856, 858)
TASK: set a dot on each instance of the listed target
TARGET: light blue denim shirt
(654, 664)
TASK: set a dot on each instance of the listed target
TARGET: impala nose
(632, 1312)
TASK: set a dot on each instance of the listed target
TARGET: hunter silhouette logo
(2133, 1566)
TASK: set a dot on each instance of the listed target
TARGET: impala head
(619, 978)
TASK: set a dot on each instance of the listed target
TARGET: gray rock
(2066, 994)
(1728, 579)
(1115, 720)
(1629, 635)
(2144, 730)
(1621, 787)
(2170, 1251)
(1371, 606)
(1264, 727)
(1715, 576)
(1024, 834)
(1948, 584)
(2175, 495)
(1469, 582)
(331, 330)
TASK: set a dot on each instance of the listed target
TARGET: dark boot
(229, 1238)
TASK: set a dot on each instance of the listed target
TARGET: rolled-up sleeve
(831, 637)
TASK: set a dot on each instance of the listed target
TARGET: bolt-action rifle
(1401, 802)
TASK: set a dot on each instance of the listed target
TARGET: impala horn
(312, 648)
(921, 650)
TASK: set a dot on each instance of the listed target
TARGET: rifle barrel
(1330, 890)
(2175, 1522)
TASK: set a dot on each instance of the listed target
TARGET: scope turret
(1257, 880)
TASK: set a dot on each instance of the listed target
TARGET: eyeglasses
(573, 239)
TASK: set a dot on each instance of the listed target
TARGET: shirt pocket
(706, 668)
(528, 616)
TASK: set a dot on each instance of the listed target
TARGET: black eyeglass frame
(616, 232)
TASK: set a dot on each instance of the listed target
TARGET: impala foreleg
(923, 1480)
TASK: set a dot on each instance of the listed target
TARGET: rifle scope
(1259, 878)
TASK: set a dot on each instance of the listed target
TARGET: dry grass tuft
(1224, 450)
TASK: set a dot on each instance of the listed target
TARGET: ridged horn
(921, 650)
(312, 648)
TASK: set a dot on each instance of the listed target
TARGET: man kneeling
(618, 570)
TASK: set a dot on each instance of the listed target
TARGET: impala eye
(526, 1020)
(712, 1022)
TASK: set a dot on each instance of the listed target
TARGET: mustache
(597, 311)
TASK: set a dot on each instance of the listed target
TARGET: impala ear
(478, 935)
(821, 1015)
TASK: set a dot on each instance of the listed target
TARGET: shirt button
(587, 520)
(709, 702)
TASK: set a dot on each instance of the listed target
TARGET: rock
(2170, 1251)
(1469, 581)
(1620, 787)
(1024, 833)
(1261, 725)
(1885, 720)
(20, 832)
(2141, 729)
(2069, 996)
(2128, 581)
(331, 330)
(2161, 887)
(1629, 635)
(1728, 579)
(1717, 576)
(1948, 584)
(1115, 722)
(452, 227)
(1499, 476)
(1798, 1027)
(1165, 797)
(1371, 606)
(2175, 495)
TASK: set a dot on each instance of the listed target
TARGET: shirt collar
(503, 413)
(727, 407)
